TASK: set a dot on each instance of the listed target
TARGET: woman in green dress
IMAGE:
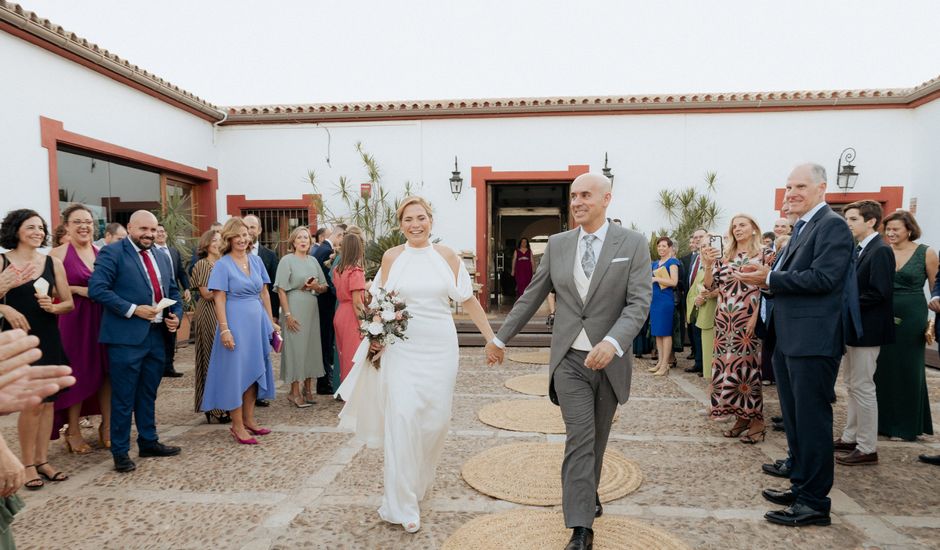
(900, 380)
(298, 280)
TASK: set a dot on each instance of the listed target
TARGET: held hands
(757, 277)
(172, 322)
(494, 354)
(600, 356)
(934, 305)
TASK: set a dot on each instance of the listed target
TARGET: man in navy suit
(129, 280)
(934, 306)
(270, 261)
(326, 304)
(813, 297)
(874, 270)
(181, 278)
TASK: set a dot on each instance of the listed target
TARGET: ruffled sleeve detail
(463, 289)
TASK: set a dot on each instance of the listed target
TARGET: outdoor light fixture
(456, 182)
(607, 171)
(846, 172)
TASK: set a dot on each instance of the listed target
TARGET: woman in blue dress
(240, 365)
(663, 304)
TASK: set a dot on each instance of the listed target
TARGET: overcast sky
(236, 52)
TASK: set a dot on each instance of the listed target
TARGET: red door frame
(891, 198)
(234, 204)
(481, 178)
(53, 133)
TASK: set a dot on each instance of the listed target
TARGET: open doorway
(533, 211)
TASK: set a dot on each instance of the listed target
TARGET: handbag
(276, 341)
(930, 334)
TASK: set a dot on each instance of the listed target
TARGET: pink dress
(346, 321)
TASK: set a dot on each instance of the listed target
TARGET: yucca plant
(687, 210)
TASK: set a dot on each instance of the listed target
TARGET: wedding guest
(350, 281)
(21, 386)
(113, 232)
(130, 280)
(663, 305)
(240, 369)
(269, 258)
(783, 226)
(522, 267)
(707, 304)
(327, 307)
(23, 232)
(60, 236)
(217, 227)
(181, 278)
(768, 238)
(695, 279)
(735, 384)
(91, 394)
(874, 270)
(900, 380)
(208, 252)
(298, 281)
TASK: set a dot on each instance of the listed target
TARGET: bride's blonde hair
(408, 201)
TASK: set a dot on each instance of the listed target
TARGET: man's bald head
(142, 228)
(253, 223)
(590, 197)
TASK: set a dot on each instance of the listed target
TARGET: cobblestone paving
(309, 485)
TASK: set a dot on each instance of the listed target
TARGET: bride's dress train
(406, 404)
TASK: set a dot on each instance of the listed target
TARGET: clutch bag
(276, 341)
(930, 334)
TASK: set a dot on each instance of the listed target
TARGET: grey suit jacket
(617, 302)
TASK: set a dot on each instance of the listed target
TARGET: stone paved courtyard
(311, 486)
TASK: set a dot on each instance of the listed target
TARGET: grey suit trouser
(588, 404)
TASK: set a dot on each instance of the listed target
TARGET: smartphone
(716, 242)
(311, 280)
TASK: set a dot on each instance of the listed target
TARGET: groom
(601, 276)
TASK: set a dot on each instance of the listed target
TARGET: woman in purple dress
(522, 266)
(91, 394)
(240, 368)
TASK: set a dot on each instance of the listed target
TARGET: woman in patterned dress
(736, 384)
(204, 322)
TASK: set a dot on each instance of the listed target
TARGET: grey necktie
(588, 261)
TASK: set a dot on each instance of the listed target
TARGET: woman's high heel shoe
(258, 431)
(663, 371)
(735, 431)
(654, 368)
(249, 441)
(751, 438)
(79, 449)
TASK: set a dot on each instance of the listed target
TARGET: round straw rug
(534, 357)
(529, 384)
(530, 473)
(525, 415)
(536, 530)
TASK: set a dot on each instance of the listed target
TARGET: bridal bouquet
(384, 321)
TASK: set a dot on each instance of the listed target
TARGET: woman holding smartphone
(298, 281)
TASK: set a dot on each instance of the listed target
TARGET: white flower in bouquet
(375, 329)
(388, 314)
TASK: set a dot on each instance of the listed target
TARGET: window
(276, 225)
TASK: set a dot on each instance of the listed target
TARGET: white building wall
(751, 152)
(926, 171)
(40, 83)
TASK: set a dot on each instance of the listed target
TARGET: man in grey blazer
(601, 276)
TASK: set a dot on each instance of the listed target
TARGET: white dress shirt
(156, 268)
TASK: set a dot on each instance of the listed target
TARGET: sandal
(308, 397)
(298, 401)
(55, 477)
(751, 438)
(36, 483)
(735, 430)
(80, 449)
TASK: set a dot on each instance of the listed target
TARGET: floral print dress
(736, 382)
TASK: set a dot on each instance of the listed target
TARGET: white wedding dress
(406, 404)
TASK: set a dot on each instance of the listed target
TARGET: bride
(405, 405)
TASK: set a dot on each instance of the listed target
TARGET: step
(532, 327)
(475, 339)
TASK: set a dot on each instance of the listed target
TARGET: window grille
(276, 225)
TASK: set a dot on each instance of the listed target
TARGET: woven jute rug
(534, 357)
(537, 530)
(529, 384)
(525, 415)
(530, 473)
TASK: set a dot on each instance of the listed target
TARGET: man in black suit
(326, 304)
(181, 279)
(694, 265)
(813, 298)
(270, 260)
(874, 271)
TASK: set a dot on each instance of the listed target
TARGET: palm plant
(687, 210)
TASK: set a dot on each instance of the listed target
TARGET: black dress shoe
(261, 403)
(124, 464)
(598, 508)
(783, 498)
(930, 459)
(798, 515)
(778, 427)
(777, 469)
(693, 368)
(158, 449)
(172, 374)
(582, 538)
(776, 419)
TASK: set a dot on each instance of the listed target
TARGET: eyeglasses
(88, 223)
